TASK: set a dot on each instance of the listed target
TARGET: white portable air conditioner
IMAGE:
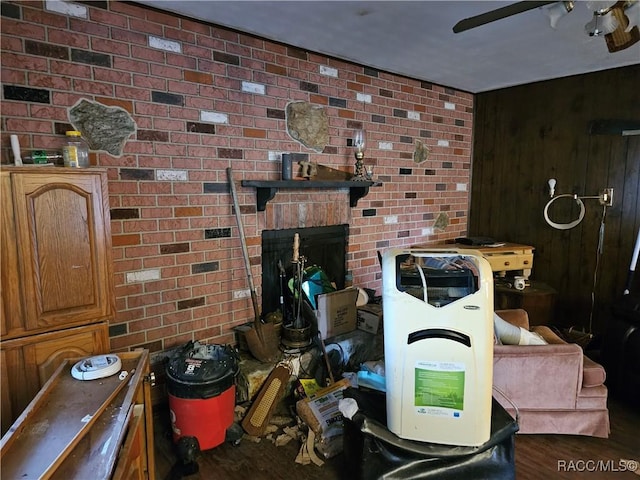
(438, 344)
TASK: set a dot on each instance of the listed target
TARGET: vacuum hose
(564, 226)
(512, 335)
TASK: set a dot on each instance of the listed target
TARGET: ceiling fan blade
(498, 14)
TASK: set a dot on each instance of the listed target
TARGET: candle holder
(358, 143)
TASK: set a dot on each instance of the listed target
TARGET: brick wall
(177, 254)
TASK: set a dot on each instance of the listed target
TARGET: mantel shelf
(266, 189)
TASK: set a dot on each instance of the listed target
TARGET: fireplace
(324, 246)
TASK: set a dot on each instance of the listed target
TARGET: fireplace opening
(325, 247)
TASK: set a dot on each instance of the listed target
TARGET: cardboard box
(370, 318)
(337, 312)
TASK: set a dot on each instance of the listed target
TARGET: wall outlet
(390, 219)
(606, 197)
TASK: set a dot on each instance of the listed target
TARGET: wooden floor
(538, 457)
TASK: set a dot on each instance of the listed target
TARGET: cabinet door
(6, 410)
(47, 355)
(11, 313)
(137, 456)
(28, 362)
(64, 247)
(132, 462)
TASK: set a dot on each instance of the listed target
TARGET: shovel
(262, 339)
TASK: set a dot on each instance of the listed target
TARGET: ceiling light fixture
(617, 21)
(601, 24)
(626, 34)
(610, 19)
(556, 11)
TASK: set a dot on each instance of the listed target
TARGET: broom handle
(245, 253)
(632, 267)
(326, 358)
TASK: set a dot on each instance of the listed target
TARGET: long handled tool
(632, 267)
(261, 339)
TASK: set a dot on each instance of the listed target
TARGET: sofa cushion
(593, 374)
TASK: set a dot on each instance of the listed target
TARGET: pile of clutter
(288, 381)
(303, 410)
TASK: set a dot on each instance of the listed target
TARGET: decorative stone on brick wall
(421, 153)
(308, 124)
(442, 221)
(104, 128)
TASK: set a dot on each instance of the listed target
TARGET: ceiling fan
(617, 21)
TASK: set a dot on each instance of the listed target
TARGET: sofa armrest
(549, 335)
(515, 316)
(539, 377)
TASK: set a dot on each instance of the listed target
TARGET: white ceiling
(415, 38)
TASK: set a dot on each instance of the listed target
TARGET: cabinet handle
(151, 379)
(526, 262)
(506, 264)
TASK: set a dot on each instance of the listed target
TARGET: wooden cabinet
(538, 300)
(99, 429)
(56, 253)
(133, 462)
(510, 257)
(56, 275)
(28, 362)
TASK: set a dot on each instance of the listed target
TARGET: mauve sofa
(556, 388)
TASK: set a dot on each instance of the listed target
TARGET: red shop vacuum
(201, 386)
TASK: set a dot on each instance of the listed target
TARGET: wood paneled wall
(527, 134)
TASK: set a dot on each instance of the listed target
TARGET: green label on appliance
(439, 384)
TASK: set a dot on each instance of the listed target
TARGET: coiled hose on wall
(564, 226)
